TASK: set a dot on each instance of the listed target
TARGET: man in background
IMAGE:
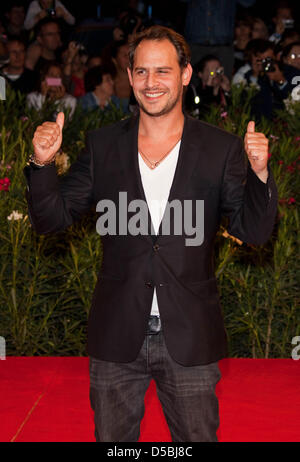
(16, 74)
(46, 46)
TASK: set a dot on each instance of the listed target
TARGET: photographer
(256, 51)
(52, 88)
(41, 9)
(74, 67)
(130, 23)
(282, 21)
(213, 87)
(275, 82)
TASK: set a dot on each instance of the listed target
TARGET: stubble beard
(169, 106)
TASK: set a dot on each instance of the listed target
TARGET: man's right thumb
(60, 120)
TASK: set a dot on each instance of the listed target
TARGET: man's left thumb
(251, 127)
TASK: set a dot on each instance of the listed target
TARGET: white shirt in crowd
(36, 100)
(239, 76)
(35, 8)
(157, 184)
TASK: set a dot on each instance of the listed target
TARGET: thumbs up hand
(48, 138)
(256, 147)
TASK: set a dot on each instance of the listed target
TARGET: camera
(128, 23)
(268, 65)
(51, 12)
(218, 72)
(288, 23)
(81, 49)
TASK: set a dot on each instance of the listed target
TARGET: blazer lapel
(128, 153)
(187, 159)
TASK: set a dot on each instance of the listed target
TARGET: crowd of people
(40, 58)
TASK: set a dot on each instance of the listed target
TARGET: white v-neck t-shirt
(157, 183)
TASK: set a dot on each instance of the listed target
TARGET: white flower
(289, 105)
(254, 85)
(15, 215)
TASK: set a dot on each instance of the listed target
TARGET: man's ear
(129, 75)
(187, 74)
(39, 39)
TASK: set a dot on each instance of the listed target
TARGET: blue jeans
(187, 395)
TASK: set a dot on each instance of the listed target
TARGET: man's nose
(151, 79)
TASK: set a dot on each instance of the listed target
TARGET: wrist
(41, 163)
(281, 81)
(263, 175)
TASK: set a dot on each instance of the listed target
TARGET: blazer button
(156, 247)
(148, 285)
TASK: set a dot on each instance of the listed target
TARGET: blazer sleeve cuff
(263, 191)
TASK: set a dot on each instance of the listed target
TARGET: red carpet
(47, 399)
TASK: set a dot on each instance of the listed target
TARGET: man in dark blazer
(155, 310)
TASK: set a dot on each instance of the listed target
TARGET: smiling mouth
(154, 95)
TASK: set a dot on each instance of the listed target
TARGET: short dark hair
(16, 38)
(161, 33)
(199, 67)
(280, 4)
(258, 46)
(44, 22)
(245, 21)
(15, 4)
(94, 77)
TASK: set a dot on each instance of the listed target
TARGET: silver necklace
(156, 163)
